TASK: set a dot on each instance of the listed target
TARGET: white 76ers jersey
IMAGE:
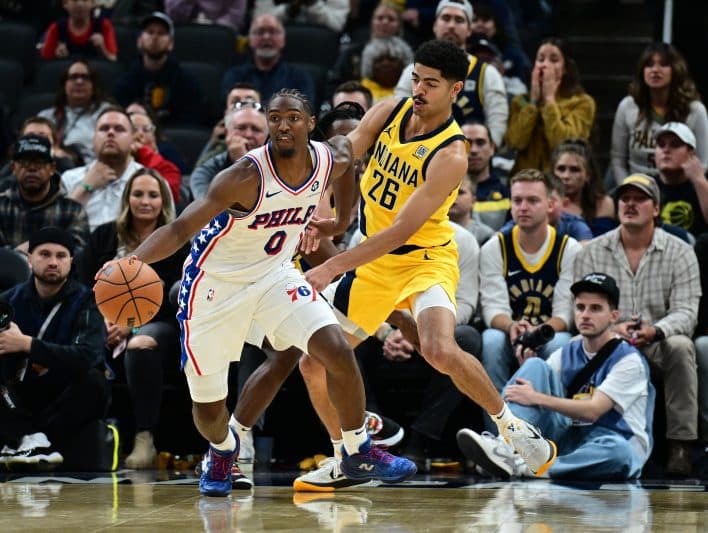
(244, 247)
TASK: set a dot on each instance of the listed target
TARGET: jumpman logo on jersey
(387, 131)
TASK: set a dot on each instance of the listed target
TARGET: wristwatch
(659, 334)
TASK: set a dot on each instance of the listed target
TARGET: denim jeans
(584, 452)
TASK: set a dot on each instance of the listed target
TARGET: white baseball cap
(681, 131)
(464, 5)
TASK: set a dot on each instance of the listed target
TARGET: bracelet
(87, 187)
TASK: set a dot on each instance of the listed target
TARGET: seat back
(126, 38)
(318, 73)
(12, 76)
(306, 43)
(18, 43)
(188, 140)
(205, 43)
(209, 77)
(15, 268)
(30, 103)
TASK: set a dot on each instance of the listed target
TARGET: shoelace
(220, 465)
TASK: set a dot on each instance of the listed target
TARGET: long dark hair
(594, 189)
(570, 82)
(682, 90)
(96, 97)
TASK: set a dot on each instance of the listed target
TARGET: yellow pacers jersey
(396, 169)
(368, 294)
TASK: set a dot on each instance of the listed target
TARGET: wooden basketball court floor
(158, 501)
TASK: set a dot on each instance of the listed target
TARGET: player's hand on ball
(112, 264)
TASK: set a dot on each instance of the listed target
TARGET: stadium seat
(30, 103)
(18, 42)
(209, 77)
(189, 140)
(15, 268)
(11, 79)
(205, 43)
(126, 38)
(305, 43)
(318, 73)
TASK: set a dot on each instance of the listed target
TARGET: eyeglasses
(145, 129)
(79, 76)
(247, 103)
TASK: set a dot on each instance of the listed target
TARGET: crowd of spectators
(102, 159)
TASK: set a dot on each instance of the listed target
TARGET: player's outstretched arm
(365, 134)
(235, 186)
(443, 176)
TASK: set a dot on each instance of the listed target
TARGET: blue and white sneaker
(216, 476)
(374, 463)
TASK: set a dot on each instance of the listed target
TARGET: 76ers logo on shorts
(210, 295)
(303, 291)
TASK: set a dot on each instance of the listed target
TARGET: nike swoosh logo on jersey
(270, 194)
(511, 273)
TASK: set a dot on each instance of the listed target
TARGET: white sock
(503, 417)
(238, 426)
(228, 445)
(354, 438)
(337, 447)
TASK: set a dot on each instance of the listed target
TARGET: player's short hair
(293, 93)
(449, 59)
(531, 175)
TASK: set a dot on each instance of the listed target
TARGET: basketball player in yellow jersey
(407, 258)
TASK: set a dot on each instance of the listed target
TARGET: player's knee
(142, 342)
(283, 363)
(208, 412)
(310, 368)
(440, 354)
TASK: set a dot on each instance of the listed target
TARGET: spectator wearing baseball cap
(658, 279)
(483, 95)
(594, 395)
(682, 179)
(37, 199)
(57, 336)
(157, 80)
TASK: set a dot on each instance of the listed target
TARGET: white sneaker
(247, 451)
(490, 453)
(35, 449)
(327, 478)
(144, 453)
(537, 452)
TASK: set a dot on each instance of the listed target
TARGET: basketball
(128, 293)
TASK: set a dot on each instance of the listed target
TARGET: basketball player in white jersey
(245, 231)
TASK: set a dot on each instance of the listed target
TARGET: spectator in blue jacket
(267, 70)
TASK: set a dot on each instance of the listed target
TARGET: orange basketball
(128, 293)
